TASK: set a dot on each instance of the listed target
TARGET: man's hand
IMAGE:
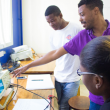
(53, 55)
(18, 71)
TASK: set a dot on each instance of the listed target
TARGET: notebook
(39, 82)
(31, 104)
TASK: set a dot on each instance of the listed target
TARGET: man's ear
(61, 16)
(98, 82)
(96, 10)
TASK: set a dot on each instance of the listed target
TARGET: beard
(87, 26)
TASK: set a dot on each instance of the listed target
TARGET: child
(95, 68)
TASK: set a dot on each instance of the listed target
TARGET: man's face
(86, 17)
(54, 21)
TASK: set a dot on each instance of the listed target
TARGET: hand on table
(18, 71)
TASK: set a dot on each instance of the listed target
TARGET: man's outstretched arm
(53, 55)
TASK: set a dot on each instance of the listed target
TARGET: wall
(17, 29)
(106, 9)
(36, 30)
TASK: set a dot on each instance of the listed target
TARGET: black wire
(31, 92)
(19, 86)
(8, 64)
(11, 63)
(47, 105)
(12, 97)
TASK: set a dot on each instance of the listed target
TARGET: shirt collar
(90, 32)
(108, 24)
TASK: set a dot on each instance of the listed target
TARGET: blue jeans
(94, 106)
(64, 92)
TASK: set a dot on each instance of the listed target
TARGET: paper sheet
(39, 82)
(31, 104)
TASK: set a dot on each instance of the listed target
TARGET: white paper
(31, 104)
(40, 82)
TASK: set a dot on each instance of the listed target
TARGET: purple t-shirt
(74, 47)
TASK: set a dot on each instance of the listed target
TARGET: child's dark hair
(52, 10)
(95, 56)
(91, 4)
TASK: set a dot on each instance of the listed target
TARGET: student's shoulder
(81, 36)
(106, 105)
(75, 25)
(82, 33)
(52, 33)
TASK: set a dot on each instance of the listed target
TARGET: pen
(21, 77)
(37, 80)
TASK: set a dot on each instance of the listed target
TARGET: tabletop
(46, 68)
(21, 93)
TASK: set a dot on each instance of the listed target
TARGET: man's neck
(100, 27)
(64, 24)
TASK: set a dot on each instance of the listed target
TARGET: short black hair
(52, 10)
(95, 56)
(91, 4)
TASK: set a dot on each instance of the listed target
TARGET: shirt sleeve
(74, 45)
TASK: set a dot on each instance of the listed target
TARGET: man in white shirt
(66, 78)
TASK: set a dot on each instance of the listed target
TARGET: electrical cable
(19, 86)
(9, 64)
(12, 97)
(30, 92)
(50, 98)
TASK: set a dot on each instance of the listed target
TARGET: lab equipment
(4, 85)
(21, 52)
(1, 55)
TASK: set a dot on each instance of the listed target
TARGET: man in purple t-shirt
(95, 26)
(91, 17)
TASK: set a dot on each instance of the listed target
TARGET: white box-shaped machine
(23, 53)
